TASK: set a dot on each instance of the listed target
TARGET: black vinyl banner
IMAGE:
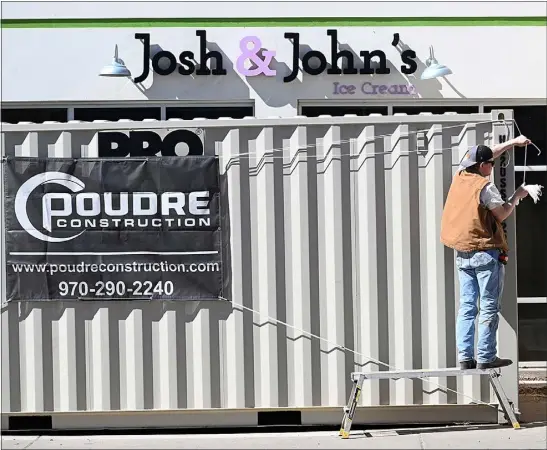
(104, 229)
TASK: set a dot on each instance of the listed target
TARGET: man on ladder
(472, 225)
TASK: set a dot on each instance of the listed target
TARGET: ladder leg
(346, 408)
(349, 411)
(504, 401)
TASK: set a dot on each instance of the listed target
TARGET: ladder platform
(421, 373)
(359, 378)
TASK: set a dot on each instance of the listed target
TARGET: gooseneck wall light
(116, 68)
(434, 69)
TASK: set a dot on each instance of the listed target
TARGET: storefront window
(531, 243)
(115, 114)
(315, 111)
(209, 112)
(412, 110)
(33, 115)
(532, 337)
(531, 217)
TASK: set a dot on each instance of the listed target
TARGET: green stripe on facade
(277, 22)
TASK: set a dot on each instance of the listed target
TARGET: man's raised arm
(499, 149)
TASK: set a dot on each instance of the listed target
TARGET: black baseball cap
(477, 154)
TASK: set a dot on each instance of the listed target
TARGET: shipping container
(334, 231)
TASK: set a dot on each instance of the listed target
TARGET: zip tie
(534, 190)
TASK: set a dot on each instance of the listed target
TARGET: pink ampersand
(262, 65)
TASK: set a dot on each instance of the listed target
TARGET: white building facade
(118, 357)
(53, 54)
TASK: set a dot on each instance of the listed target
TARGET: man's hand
(503, 212)
(521, 141)
(520, 193)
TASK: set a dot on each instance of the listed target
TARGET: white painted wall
(62, 64)
(257, 8)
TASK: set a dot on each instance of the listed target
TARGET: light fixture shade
(433, 68)
(116, 68)
(434, 71)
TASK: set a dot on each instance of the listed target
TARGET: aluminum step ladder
(358, 379)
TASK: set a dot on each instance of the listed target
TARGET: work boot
(469, 364)
(498, 362)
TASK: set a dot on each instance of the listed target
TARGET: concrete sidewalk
(531, 436)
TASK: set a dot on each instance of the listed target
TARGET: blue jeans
(481, 278)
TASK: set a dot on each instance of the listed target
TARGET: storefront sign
(369, 88)
(336, 55)
(186, 59)
(314, 62)
(116, 144)
(101, 229)
(262, 66)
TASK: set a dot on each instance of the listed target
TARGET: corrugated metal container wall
(334, 229)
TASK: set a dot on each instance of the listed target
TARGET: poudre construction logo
(75, 211)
